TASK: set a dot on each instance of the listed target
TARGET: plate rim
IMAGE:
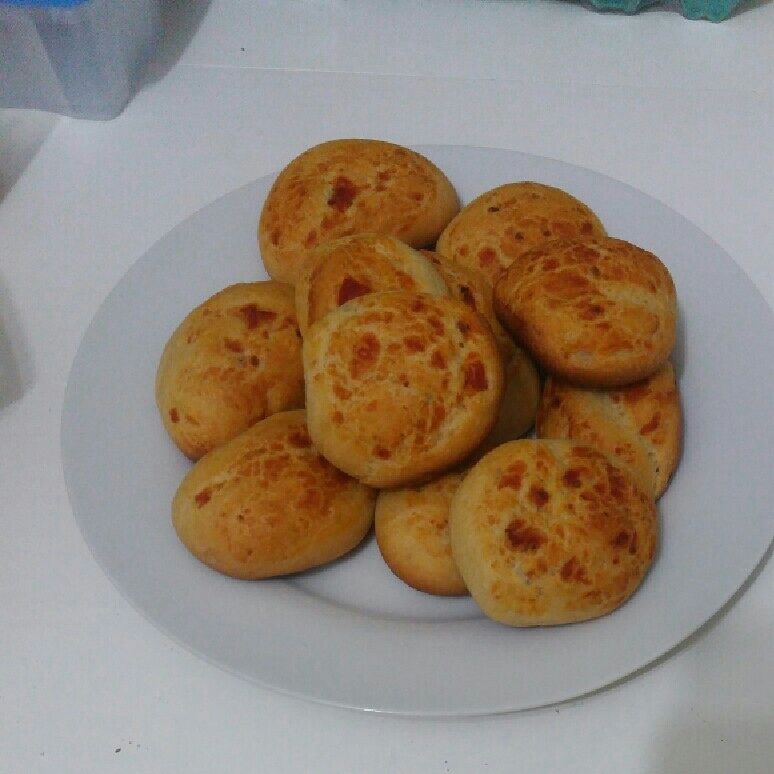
(748, 577)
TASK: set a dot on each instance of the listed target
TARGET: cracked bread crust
(640, 426)
(596, 313)
(346, 187)
(551, 532)
(498, 227)
(346, 268)
(401, 386)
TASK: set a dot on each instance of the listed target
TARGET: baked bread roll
(343, 269)
(345, 187)
(596, 313)
(639, 426)
(472, 288)
(521, 392)
(400, 386)
(551, 532)
(233, 361)
(521, 396)
(412, 530)
(502, 224)
(268, 504)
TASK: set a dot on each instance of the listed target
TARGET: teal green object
(712, 10)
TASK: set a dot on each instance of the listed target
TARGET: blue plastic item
(81, 58)
(712, 10)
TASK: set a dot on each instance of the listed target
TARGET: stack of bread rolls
(390, 371)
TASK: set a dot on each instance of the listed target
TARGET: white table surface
(682, 110)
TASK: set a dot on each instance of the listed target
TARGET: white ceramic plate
(351, 634)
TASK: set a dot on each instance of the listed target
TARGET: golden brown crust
(551, 532)
(345, 187)
(520, 400)
(640, 426)
(412, 530)
(597, 313)
(268, 504)
(338, 271)
(400, 386)
(473, 289)
(502, 224)
(233, 361)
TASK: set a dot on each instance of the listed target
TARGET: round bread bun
(595, 313)
(551, 532)
(400, 386)
(502, 224)
(639, 426)
(268, 504)
(520, 399)
(345, 187)
(412, 531)
(233, 361)
(338, 271)
(522, 381)
(472, 288)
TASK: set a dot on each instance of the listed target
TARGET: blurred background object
(82, 58)
(712, 10)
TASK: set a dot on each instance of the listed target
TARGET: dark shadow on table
(22, 132)
(16, 364)
(180, 19)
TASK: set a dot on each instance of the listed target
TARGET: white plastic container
(81, 58)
